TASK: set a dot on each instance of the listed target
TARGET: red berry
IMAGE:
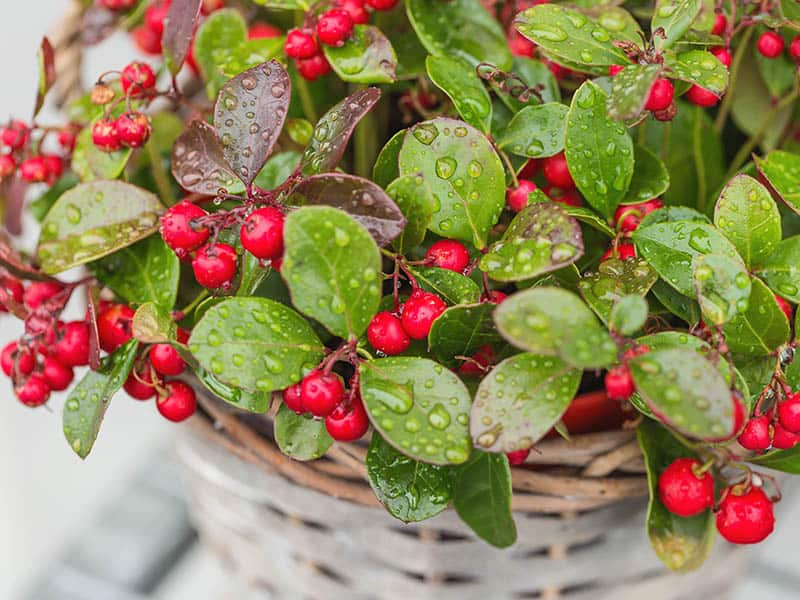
(520, 45)
(723, 55)
(321, 393)
(619, 383)
(300, 43)
(517, 457)
(12, 289)
(683, 491)
(262, 233)
(770, 44)
(783, 439)
(8, 165)
(739, 415)
(15, 134)
(347, 423)
(54, 166)
(420, 311)
(789, 413)
(623, 251)
(478, 363)
(496, 296)
(386, 334)
(72, 348)
(16, 362)
(114, 327)
(628, 216)
(33, 170)
(567, 197)
(381, 4)
(747, 518)
(139, 384)
(314, 67)
(34, 391)
(756, 435)
(720, 23)
(179, 403)
(556, 171)
(660, 96)
(701, 96)
(137, 78)
(215, 266)
(165, 359)
(794, 48)
(105, 135)
(117, 4)
(133, 129)
(180, 230)
(67, 138)
(517, 198)
(293, 399)
(263, 31)
(448, 254)
(334, 27)
(39, 292)
(209, 6)
(147, 40)
(614, 69)
(530, 169)
(356, 10)
(57, 376)
(785, 307)
(154, 17)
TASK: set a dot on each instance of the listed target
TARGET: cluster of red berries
(560, 185)
(627, 218)
(771, 45)
(778, 428)
(744, 514)
(19, 155)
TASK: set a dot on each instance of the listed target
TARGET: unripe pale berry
(683, 491)
(420, 311)
(386, 334)
(747, 518)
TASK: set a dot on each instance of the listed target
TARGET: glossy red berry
(209, 6)
(334, 27)
(57, 376)
(263, 31)
(34, 391)
(518, 457)
(701, 97)
(347, 423)
(739, 415)
(794, 48)
(165, 358)
(789, 413)
(300, 43)
(33, 170)
(262, 233)
(72, 346)
(139, 384)
(747, 518)
(517, 198)
(39, 292)
(756, 435)
(321, 393)
(783, 439)
(420, 311)
(495, 296)
(15, 134)
(381, 4)
(661, 94)
(117, 4)
(520, 45)
(785, 307)
(623, 251)
(628, 216)
(683, 490)
(8, 165)
(386, 334)
(179, 402)
(11, 290)
(215, 266)
(556, 171)
(154, 17)
(180, 229)
(355, 8)
(16, 362)
(619, 383)
(614, 69)
(114, 327)
(448, 254)
(723, 55)
(54, 167)
(105, 135)
(293, 399)
(314, 67)
(147, 40)
(133, 129)
(137, 78)
(770, 44)
(67, 138)
(720, 23)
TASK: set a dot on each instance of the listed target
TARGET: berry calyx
(8, 165)
(720, 23)
(300, 43)
(723, 55)
(33, 170)
(321, 393)
(179, 402)
(619, 383)
(420, 311)
(34, 391)
(313, 68)
(628, 216)
(783, 439)
(105, 135)
(756, 435)
(517, 198)
(794, 48)
(334, 27)
(518, 457)
(293, 398)
(448, 254)
(789, 413)
(684, 490)
(139, 385)
(701, 97)
(180, 229)
(57, 375)
(262, 233)
(114, 327)
(347, 423)
(746, 518)
(614, 69)
(386, 334)
(215, 266)
(72, 347)
(15, 361)
(15, 135)
(356, 10)
(133, 129)
(770, 44)
(661, 94)
(381, 4)
(137, 78)
(556, 171)
(39, 292)
(165, 359)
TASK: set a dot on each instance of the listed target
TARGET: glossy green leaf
(417, 203)
(459, 80)
(450, 286)
(387, 164)
(367, 56)
(670, 214)
(419, 407)
(520, 400)
(722, 285)
(630, 90)
(250, 54)
(674, 17)
(255, 344)
(650, 177)
(621, 24)
(628, 315)
(781, 170)
(787, 461)
(91, 163)
(762, 328)
(463, 172)
(278, 169)
(460, 331)
(679, 305)
(300, 436)
(153, 325)
(701, 68)
(410, 490)
(221, 32)
(536, 131)
(613, 280)
(254, 402)
(591, 218)
(781, 269)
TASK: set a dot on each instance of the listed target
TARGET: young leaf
(91, 163)
(222, 31)
(674, 17)
(722, 285)
(781, 270)
(249, 116)
(93, 220)
(535, 131)
(300, 436)
(541, 238)
(681, 543)
(254, 344)
(198, 163)
(699, 67)
(599, 150)
(450, 286)
(366, 56)
(762, 328)
(520, 400)
(87, 402)
(179, 27)
(410, 490)
(153, 325)
(412, 399)
(630, 89)
(781, 172)
(333, 131)
(47, 73)
(482, 498)
(360, 198)
(613, 280)
(650, 177)
(628, 315)
(459, 80)
(332, 267)
(464, 173)
(417, 203)
(460, 331)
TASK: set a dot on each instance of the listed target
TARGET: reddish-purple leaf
(92, 297)
(12, 192)
(198, 164)
(17, 266)
(47, 74)
(249, 116)
(179, 27)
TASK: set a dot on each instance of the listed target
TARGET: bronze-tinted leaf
(179, 26)
(198, 164)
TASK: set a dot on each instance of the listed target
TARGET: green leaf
(91, 163)
(278, 168)
(482, 498)
(722, 285)
(749, 218)
(283, 4)
(781, 170)
(463, 172)
(255, 344)
(679, 305)
(564, 33)
(621, 24)
(787, 461)
(460, 331)
(387, 164)
(681, 543)
(762, 329)
(650, 177)
(555, 322)
(630, 89)
(674, 17)
(459, 80)
(254, 402)
(670, 248)
(222, 31)
(39, 207)
(459, 28)
(250, 54)
(87, 402)
(599, 150)
(450, 286)
(778, 73)
(613, 280)
(93, 220)
(520, 400)
(147, 271)
(332, 267)
(152, 325)
(410, 490)
(45, 58)
(628, 315)
(670, 214)
(417, 203)
(419, 407)
(366, 56)
(685, 390)
(781, 269)
(300, 436)
(699, 67)
(541, 238)
(591, 218)
(536, 131)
